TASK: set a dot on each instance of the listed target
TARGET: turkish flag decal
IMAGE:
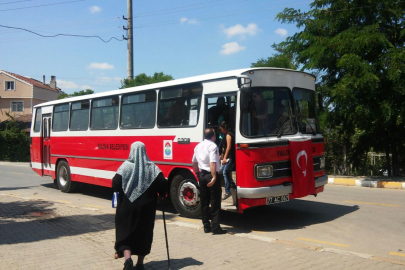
(302, 167)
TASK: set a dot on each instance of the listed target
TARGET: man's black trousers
(213, 195)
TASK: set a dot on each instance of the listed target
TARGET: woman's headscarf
(138, 172)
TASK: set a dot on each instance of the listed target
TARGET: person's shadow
(174, 264)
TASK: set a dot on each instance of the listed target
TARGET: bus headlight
(322, 163)
(265, 171)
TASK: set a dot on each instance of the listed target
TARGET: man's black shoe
(220, 231)
(207, 229)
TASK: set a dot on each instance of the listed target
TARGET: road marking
(62, 201)
(16, 173)
(397, 254)
(382, 204)
(40, 198)
(186, 219)
(322, 242)
(259, 231)
(96, 206)
(343, 181)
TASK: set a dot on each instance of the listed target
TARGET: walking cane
(164, 224)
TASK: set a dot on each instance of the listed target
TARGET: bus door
(46, 144)
(220, 108)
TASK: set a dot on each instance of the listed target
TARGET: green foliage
(279, 60)
(358, 49)
(75, 94)
(143, 79)
(14, 143)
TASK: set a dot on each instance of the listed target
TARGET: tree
(75, 94)
(279, 60)
(358, 48)
(143, 79)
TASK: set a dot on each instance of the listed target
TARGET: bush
(14, 143)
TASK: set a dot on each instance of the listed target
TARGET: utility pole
(130, 42)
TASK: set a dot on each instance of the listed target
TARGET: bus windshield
(266, 112)
(306, 110)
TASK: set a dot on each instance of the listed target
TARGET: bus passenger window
(104, 113)
(138, 110)
(38, 119)
(179, 106)
(60, 117)
(79, 115)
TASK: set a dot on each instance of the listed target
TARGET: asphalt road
(348, 219)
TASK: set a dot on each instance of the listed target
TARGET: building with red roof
(19, 94)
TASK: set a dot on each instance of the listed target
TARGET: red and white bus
(279, 155)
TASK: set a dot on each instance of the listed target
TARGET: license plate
(278, 199)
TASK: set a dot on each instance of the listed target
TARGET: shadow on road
(174, 263)
(14, 188)
(31, 221)
(88, 190)
(296, 214)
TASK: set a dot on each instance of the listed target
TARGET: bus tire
(185, 196)
(63, 178)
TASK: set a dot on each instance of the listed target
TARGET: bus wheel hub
(189, 194)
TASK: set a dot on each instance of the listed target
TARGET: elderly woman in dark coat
(138, 182)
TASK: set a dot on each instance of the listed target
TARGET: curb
(366, 183)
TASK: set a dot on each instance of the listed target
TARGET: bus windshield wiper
(281, 130)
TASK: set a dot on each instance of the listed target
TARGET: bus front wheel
(63, 178)
(185, 196)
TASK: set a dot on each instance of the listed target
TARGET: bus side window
(38, 120)
(179, 106)
(79, 115)
(60, 117)
(104, 113)
(138, 110)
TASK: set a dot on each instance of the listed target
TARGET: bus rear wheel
(185, 196)
(63, 178)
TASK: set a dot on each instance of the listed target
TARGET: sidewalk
(37, 234)
(368, 181)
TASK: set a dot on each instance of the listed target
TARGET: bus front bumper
(273, 191)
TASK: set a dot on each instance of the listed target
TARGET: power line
(68, 35)
(163, 23)
(15, 2)
(68, 24)
(45, 5)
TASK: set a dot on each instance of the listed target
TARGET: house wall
(44, 94)
(22, 90)
(5, 106)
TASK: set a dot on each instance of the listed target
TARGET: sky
(182, 38)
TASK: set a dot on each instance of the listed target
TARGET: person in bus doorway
(227, 156)
(138, 181)
(206, 164)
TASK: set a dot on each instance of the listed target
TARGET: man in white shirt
(206, 164)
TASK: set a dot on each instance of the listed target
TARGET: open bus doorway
(218, 109)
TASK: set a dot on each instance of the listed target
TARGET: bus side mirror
(244, 83)
(320, 102)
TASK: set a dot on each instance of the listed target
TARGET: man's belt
(204, 173)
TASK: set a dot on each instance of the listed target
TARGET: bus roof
(194, 79)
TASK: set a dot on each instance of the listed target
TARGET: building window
(17, 106)
(9, 85)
